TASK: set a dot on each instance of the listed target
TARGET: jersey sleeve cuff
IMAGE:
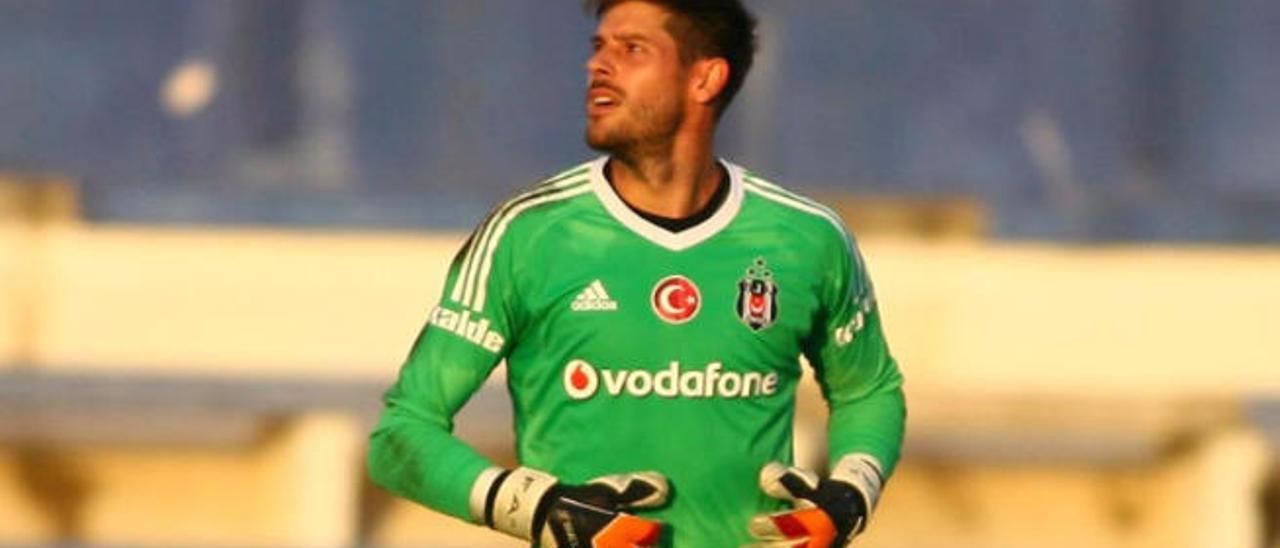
(515, 499)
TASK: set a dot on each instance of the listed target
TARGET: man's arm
(414, 454)
(858, 376)
(863, 388)
(412, 451)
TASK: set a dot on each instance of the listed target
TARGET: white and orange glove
(828, 512)
(535, 506)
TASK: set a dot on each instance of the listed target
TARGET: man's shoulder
(793, 209)
(535, 202)
(580, 171)
(533, 210)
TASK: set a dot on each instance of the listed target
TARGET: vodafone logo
(676, 299)
(583, 381)
(580, 380)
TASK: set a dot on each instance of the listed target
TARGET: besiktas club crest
(758, 297)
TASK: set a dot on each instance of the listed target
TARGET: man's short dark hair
(708, 28)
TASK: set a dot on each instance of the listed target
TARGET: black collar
(672, 224)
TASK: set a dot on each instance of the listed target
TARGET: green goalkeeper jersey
(630, 347)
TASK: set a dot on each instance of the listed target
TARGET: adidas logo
(594, 297)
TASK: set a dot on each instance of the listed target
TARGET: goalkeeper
(651, 306)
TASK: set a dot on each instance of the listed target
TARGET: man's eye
(634, 48)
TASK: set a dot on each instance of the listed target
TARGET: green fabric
(707, 402)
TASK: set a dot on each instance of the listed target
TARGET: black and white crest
(758, 297)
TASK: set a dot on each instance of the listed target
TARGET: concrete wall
(15, 255)
(1121, 320)
(1003, 324)
(977, 316)
(235, 301)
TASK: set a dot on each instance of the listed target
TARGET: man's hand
(530, 504)
(829, 512)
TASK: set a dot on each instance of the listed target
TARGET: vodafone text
(583, 380)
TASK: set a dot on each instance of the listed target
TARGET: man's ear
(710, 76)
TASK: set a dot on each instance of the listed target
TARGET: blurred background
(222, 224)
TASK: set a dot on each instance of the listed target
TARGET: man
(651, 307)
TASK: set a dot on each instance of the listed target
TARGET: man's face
(636, 82)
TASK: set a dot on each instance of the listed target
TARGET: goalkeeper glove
(828, 512)
(535, 506)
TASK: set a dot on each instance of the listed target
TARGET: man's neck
(675, 183)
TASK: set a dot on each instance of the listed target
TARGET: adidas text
(588, 306)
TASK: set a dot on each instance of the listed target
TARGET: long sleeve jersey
(631, 347)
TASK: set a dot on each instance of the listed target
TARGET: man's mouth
(602, 98)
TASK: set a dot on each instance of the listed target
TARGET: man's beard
(646, 130)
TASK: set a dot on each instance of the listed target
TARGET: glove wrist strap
(480, 490)
(513, 501)
(864, 473)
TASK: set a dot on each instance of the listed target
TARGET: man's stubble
(646, 131)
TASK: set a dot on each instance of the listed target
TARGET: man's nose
(599, 64)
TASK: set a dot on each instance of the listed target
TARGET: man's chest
(728, 300)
